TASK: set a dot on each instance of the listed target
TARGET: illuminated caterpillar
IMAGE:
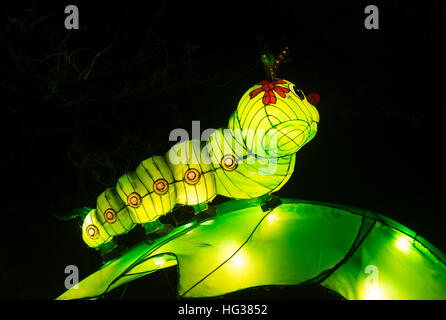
(253, 156)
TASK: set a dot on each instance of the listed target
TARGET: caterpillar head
(275, 118)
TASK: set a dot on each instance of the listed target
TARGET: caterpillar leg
(153, 226)
(157, 229)
(209, 212)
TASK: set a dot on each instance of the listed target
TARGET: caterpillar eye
(134, 200)
(110, 215)
(192, 176)
(228, 162)
(299, 93)
(160, 186)
(92, 231)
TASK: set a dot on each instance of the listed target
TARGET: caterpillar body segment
(162, 192)
(242, 174)
(109, 207)
(193, 173)
(93, 231)
(254, 155)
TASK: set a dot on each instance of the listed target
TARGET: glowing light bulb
(374, 293)
(160, 261)
(272, 218)
(403, 243)
(238, 260)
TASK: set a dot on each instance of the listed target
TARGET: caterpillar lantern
(253, 156)
(256, 240)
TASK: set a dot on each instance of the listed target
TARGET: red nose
(313, 98)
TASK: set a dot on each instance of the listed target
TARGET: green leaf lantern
(354, 252)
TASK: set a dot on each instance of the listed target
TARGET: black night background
(81, 107)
